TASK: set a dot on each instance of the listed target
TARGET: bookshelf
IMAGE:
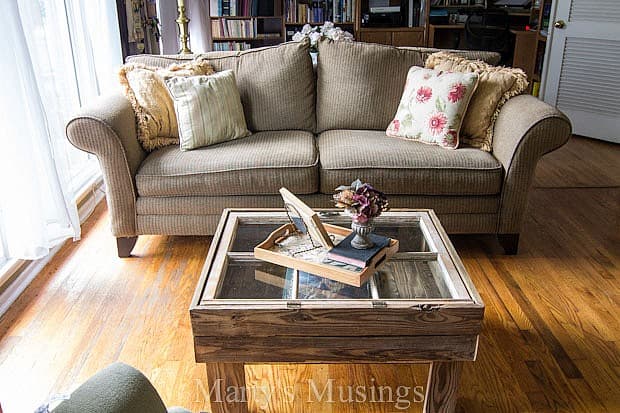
(245, 24)
(297, 13)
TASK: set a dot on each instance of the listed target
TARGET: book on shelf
(344, 252)
(234, 28)
(319, 11)
(219, 46)
(251, 8)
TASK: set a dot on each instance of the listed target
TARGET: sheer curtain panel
(55, 55)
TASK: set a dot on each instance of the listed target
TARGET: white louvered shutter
(583, 67)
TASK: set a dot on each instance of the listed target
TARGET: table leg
(227, 391)
(442, 387)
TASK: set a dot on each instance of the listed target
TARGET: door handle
(560, 24)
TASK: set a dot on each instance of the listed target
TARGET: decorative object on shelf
(363, 203)
(183, 23)
(326, 31)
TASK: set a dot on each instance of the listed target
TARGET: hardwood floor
(550, 340)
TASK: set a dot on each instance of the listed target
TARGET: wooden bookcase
(409, 31)
(529, 53)
(240, 32)
(297, 13)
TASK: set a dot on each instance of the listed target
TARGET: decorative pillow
(208, 109)
(144, 87)
(432, 107)
(496, 85)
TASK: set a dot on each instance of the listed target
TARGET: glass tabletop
(423, 268)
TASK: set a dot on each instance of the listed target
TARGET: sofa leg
(124, 245)
(510, 243)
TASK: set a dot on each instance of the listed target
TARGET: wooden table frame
(231, 333)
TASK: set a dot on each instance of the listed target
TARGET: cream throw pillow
(496, 85)
(432, 107)
(144, 87)
(208, 109)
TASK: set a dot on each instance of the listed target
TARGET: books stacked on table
(345, 253)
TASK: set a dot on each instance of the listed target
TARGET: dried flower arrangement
(361, 201)
(327, 31)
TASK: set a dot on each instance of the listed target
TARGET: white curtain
(55, 56)
(199, 25)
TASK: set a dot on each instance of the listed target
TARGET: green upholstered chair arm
(119, 388)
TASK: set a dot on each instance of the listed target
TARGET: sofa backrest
(276, 84)
(359, 85)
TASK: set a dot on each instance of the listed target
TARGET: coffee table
(420, 307)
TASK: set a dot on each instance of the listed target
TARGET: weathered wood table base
(227, 379)
(419, 307)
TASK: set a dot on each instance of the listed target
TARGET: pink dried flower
(361, 201)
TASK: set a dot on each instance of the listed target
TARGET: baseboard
(20, 273)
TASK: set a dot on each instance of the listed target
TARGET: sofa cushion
(359, 85)
(402, 167)
(497, 84)
(276, 84)
(208, 109)
(259, 164)
(144, 87)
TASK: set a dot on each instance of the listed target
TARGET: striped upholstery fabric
(208, 109)
(184, 224)
(107, 128)
(491, 58)
(208, 205)
(259, 164)
(525, 130)
(400, 166)
(162, 61)
(276, 83)
(359, 85)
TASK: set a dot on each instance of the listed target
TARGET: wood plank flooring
(550, 341)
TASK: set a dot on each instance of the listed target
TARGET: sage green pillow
(208, 109)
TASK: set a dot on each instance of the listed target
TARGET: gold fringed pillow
(145, 88)
(496, 85)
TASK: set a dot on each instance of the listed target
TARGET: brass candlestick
(183, 22)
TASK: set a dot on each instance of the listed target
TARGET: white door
(583, 66)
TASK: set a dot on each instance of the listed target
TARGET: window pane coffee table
(421, 306)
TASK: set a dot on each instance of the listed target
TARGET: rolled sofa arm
(107, 129)
(526, 129)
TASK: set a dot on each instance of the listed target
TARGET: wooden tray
(336, 271)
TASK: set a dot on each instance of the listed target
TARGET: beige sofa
(312, 131)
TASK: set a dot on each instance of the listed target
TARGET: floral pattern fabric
(432, 106)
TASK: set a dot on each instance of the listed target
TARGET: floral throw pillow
(432, 107)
